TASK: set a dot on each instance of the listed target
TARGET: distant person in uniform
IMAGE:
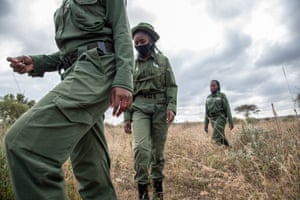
(153, 109)
(96, 54)
(217, 111)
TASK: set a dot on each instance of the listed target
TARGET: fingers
(19, 59)
(125, 103)
(21, 64)
(127, 127)
(11, 59)
(120, 104)
(115, 110)
(170, 119)
(170, 116)
(121, 100)
(18, 67)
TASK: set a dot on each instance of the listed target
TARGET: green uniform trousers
(218, 125)
(67, 122)
(150, 133)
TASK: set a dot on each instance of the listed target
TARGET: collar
(152, 56)
(215, 93)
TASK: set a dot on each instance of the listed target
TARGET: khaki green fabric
(154, 76)
(68, 121)
(217, 110)
(218, 124)
(155, 92)
(80, 22)
(150, 133)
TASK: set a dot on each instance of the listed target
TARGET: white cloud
(244, 44)
(8, 47)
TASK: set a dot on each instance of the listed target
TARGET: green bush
(267, 156)
(6, 192)
(11, 108)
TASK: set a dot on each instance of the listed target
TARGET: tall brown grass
(263, 162)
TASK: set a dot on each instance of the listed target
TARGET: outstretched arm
(35, 65)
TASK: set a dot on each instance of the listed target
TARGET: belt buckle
(102, 46)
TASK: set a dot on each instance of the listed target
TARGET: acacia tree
(12, 107)
(247, 109)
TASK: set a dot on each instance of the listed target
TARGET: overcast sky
(245, 44)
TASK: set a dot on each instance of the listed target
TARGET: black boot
(225, 142)
(157, 190)
(143, 192)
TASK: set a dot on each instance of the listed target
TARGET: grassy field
(263, 162)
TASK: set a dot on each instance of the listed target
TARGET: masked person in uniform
(217, 111)
(95, 50)
(154, 107)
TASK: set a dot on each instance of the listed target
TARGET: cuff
(38, 70)
(172, 107)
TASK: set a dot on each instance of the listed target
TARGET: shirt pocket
(218, 104)
(157, 74)
(87, 15)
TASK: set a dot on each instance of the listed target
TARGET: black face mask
(144, 49)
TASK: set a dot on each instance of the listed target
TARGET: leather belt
(70, 58)
(142, 99)
(152, 95)
(105, 47)
(149, 96)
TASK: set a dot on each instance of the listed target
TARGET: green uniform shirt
(154, 76)
(217, 105)
(79, 22)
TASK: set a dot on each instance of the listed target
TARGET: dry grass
(262, 163)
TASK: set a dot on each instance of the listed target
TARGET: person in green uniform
(217, 111)
(153, 109)
(96, 60)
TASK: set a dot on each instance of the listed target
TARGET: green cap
(147, 28)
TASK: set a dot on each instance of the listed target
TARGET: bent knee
(9, 138)
(14, 137)
(19, 126)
